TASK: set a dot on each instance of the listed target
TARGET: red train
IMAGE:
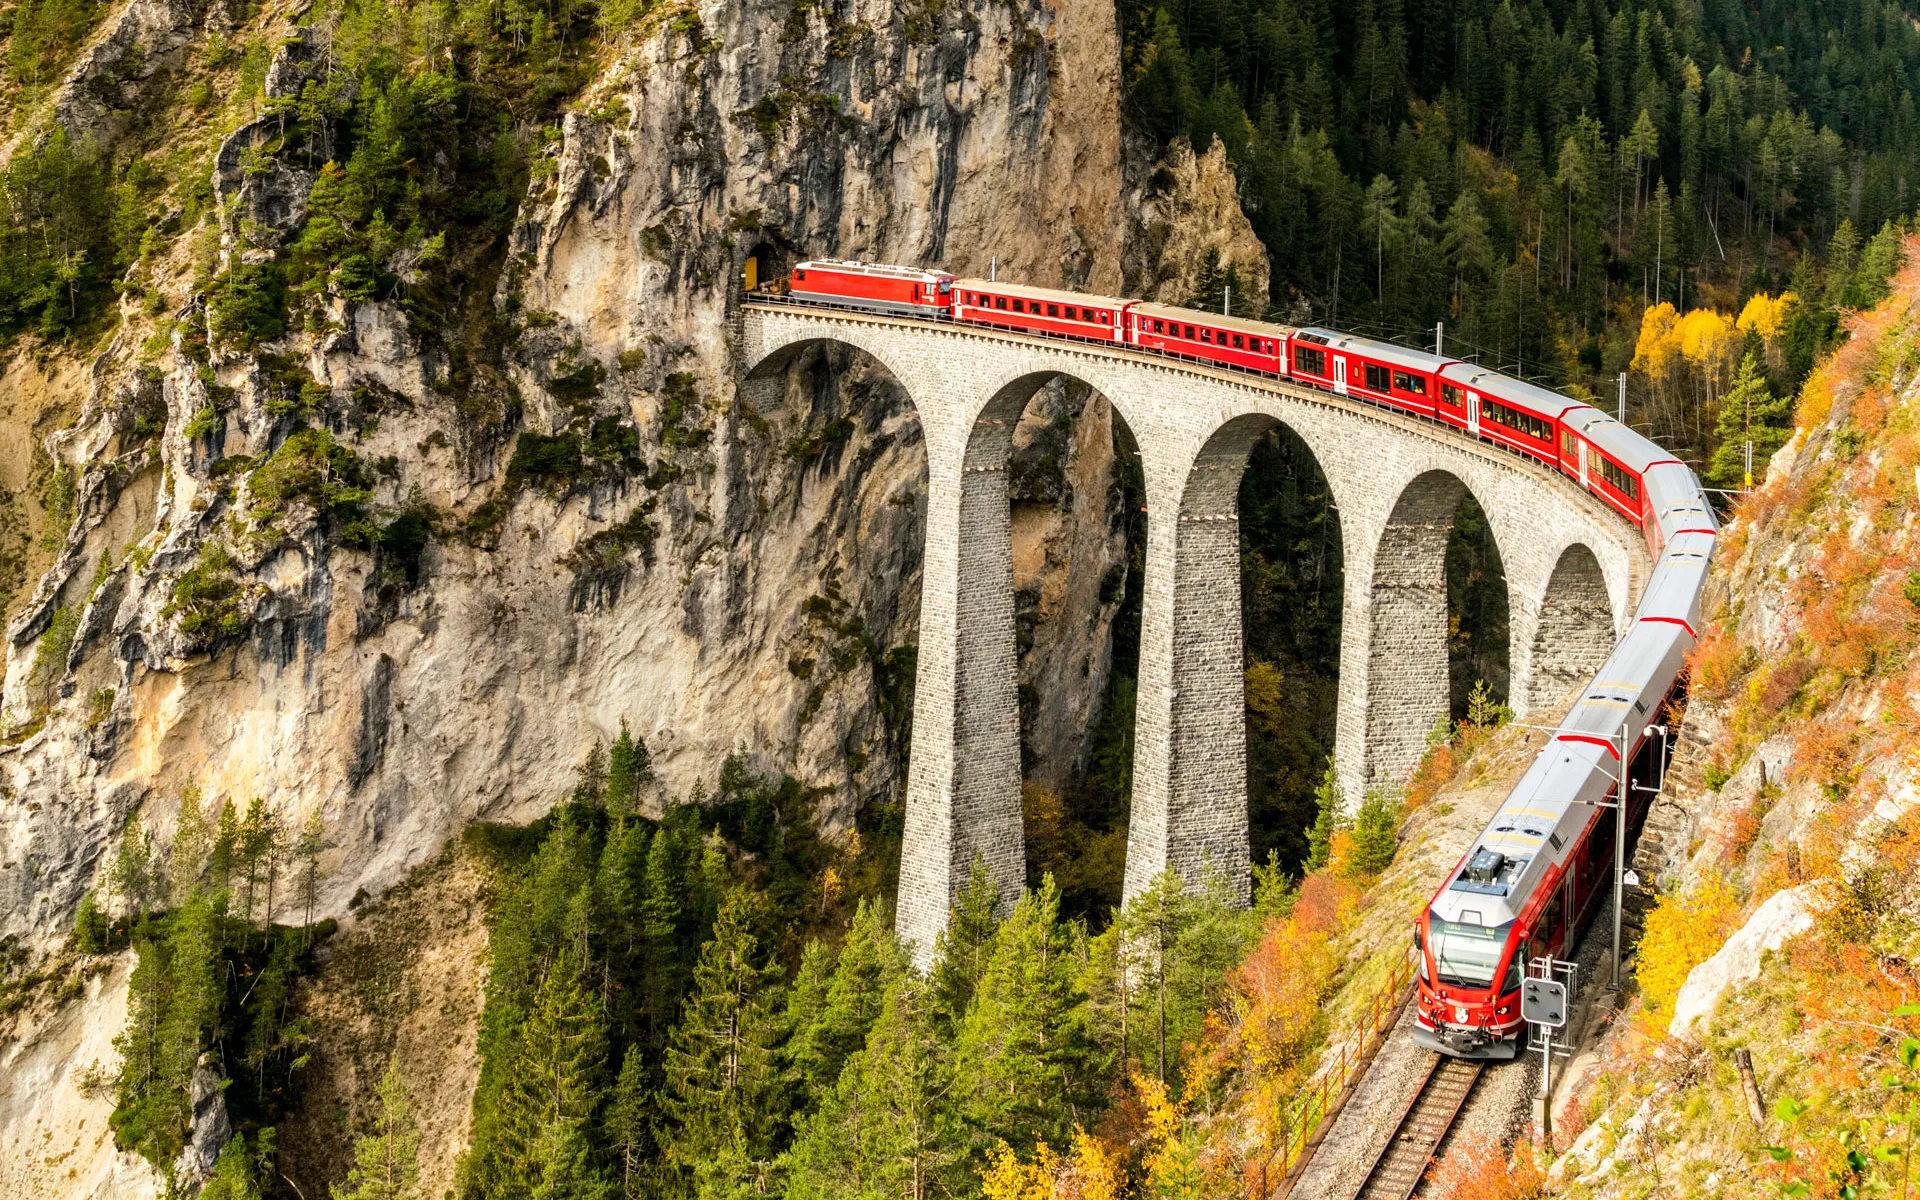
(1608, 460)
(1542, 865)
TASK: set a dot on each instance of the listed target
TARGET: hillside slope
(1791, 925)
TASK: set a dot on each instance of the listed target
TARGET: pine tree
(1153, 924)
(1749, 412)
(659, 925)
(628, 767)
(554, 1074)
(591, 789)
(806, 1007)
(386, 1162)
(1328, 801)
(629, 1120)
(1023, 1060)
(192, 844)
(719, 1058)
(226, 846)
(307, 851)
(868, 963)
(565, 1164)
(884, 1130)
(960, 954)
(233, 1177)
(132, 877)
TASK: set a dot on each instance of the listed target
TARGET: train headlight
(1503, 1010)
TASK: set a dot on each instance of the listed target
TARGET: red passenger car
(1377, 371)
(1252, 344)
(1039, 310)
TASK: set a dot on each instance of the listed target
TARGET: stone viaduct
(1573, 571)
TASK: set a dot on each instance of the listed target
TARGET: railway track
(1402, 1162)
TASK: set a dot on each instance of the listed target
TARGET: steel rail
(1402, 1163)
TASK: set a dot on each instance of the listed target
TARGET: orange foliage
(1477, 1168)
(1742, 829)
(1435, 770)
(1714, 660)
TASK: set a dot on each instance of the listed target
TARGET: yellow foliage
(1340, 853)
(1264, 681)
(1096, 1169)
(1765, 315)
(1707, 339)
(1092, 1173)
(1683, 931)
(1659, 342)
(1007, 1178)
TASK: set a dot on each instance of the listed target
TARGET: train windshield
(1467, 955)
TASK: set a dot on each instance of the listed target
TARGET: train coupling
(1456, 1042)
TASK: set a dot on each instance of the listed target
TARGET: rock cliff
(733, 578)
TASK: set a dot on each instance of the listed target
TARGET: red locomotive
(1540, 868)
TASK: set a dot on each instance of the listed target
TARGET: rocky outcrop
(1784, 916)
(1186, 218)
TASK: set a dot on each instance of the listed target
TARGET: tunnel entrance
(1291, 583)
(766, 268)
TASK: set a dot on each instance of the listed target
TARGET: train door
(1583, 462)
(1340, 374)
(1473, 413)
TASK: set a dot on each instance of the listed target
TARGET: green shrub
(1376, 829)
(206, 598)
(247, 305)
(547, 461)
(310, 465)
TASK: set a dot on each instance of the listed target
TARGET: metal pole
(1546, 1068)
(1440, 339)
(1226, 304)
(1749, 464)
(993, 270)
(1623, 397)
(1619, 851)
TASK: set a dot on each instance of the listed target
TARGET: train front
(1470, 965)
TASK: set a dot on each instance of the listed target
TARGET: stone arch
(1408, 670)
(969, 805)
(1575, 631)
(763, 385)
(1190, 802)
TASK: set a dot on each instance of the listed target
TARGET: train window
(1514, 968)
(1452, 396)
(1189, 332)
(1000, 302)
(1621, 479)
(1159, 327)
(1238, 342)
(1569, 445)
(1466, 955)
(1313, 362)
(1053, 310)
(1549, 925)
(1379, 379)
(1514, 419)
(1206, 335)
(1412, 384)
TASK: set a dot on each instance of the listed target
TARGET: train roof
(1628, 448)
(1530, 396)
(1212, 320)
(1057, 295)
(888, 270)
(1386, 352)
